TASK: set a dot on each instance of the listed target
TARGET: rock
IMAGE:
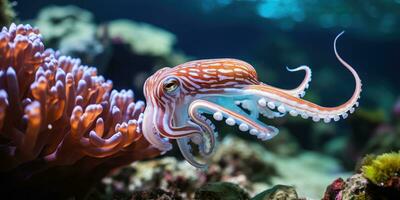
(278, 192)
(154, 194)
(334, 189)
(354, 188)
(221, 191)
(248, 165)
(378, 179)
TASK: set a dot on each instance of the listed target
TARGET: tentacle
(159, 127)
(299, 91)
(207, 142)
(165, 126)
(150, 132)
(284, 102)
(186, 152)
(219, 113)
(246, 124)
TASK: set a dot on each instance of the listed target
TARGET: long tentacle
(285, 102)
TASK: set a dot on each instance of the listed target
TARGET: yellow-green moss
(380, 169)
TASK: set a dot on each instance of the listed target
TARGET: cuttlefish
(182, 100)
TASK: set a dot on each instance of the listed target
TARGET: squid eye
(171, 85)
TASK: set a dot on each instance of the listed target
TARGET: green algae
(381, 169)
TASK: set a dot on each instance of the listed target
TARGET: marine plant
(57, 115)
(382, 170)
(377, 179)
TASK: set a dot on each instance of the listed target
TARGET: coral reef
(145, 49)
(355, 188)
(246, 164)
(378, 179)
(144, 39)
(56, 22)
(73, 32)
(60, 117)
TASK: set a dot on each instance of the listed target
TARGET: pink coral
(56, 112)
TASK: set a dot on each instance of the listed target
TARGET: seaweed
(383, 169)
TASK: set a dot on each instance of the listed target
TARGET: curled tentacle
(299, 91)
(185, 148)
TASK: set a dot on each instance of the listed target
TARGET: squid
(182, 100)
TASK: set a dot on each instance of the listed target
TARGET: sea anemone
(56, 112)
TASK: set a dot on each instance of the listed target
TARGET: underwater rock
(354, 188)
(221, 191)
(357, 187)
(278, 192)
(167, 174)
(378, 179)
(62, 127)
(234, 157)
(237, 161)
(333, 190)
(154, 194)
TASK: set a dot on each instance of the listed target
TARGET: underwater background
(129, 40)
